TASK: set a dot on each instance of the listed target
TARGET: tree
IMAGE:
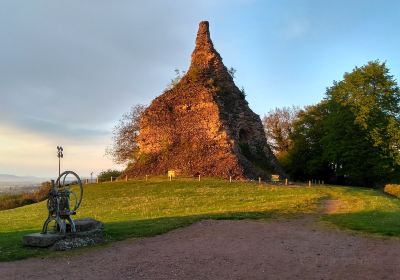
(364, 111)
(352, 136)
(278, 126)
(304, 158)
(125, 133)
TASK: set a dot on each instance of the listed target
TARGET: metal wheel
(70, 182)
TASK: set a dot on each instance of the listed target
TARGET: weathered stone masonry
(203, 125)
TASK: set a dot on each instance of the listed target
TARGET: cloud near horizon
(71, 69)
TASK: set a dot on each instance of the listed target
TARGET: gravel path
(282, 249)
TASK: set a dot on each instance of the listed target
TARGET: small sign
(171, 173)
(274, 178)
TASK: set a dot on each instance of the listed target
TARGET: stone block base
(41, 240)
(88, 232)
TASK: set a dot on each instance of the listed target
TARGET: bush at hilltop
(393, 190)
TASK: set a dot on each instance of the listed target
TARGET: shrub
(392, 190)
(107, 174)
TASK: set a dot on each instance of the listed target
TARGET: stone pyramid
(203, 125)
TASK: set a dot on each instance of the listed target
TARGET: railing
(275, 180)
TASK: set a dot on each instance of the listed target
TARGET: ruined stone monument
(203, 125)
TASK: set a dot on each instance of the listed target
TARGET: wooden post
(126, 178)
(230, 179)
(322, 182)
(199, 178)
(309, 183)
(111, 178)
(286, 182)
(97, 180)
(259, 180)
(170, 177)
(146, 178)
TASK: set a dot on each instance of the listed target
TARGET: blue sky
(70, 69)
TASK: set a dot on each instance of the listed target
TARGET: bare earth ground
(282, 249)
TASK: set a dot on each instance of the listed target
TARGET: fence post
(97, 180)
(170, 177)
(111, 178)
(309, 183)
(259, 180)
(286, 182)
(146, 178)
(199, 178)
(230, 179)
(322, 182)
(126, 178)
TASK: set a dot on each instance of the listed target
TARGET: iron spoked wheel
(69, 181)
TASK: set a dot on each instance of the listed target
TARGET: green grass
(139, 208)
(365, 210)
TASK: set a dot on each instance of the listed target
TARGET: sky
(70, 69)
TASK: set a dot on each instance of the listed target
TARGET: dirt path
(329, 206)
(292, 249)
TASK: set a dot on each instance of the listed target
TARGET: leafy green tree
(304, 158)
(364, 109)
(352, 136)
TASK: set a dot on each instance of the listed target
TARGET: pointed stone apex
(203, 39)
(204, 56)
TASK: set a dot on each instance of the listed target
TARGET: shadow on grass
(377, 222)
(383, 223)
(11, 247)
(151, 227)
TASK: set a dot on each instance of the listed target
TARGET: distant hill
(8, 178)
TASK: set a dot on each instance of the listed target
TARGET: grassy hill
(139, 208)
